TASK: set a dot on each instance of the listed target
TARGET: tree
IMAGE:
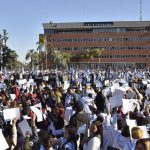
(91, 54)
(9, 58)
(33, 56)
(29, 55)
(3, 40)
(41, 60)
(100, 51)
(60, 58)
(65, 59)
(17, 65)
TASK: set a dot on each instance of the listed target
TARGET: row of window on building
(106, 39)
(50, 31)
(117, 30)
(96, 65)
(124, 56)
(98, 24)
(95, 30)
(104, 47)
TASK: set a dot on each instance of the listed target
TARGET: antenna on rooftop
(140, 10)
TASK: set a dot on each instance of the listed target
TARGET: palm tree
(56, 57)
(33, 56)
(90, 54)
(100, 51)
(66, 59)
(36, 56)
(29, 55)
(13, 58)
(41, 60)
(60, 58)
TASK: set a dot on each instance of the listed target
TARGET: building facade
(125, 43)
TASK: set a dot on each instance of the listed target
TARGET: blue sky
(23, 18)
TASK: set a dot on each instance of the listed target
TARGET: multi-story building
(125, 43)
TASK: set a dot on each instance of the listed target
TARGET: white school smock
(93, 144)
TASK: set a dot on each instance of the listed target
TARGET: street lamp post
(99, 60)
(1, 46)
(46, 51)
(3, 40)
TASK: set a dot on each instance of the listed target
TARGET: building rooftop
(86, 25)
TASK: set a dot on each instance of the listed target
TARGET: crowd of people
(75, 110)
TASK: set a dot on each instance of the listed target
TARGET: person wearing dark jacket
(79, 118)
(56, 121)
(100, 102)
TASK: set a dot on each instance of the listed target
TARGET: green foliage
(91, 53)
(29, 54)
(33, 56)
(9, 58)
(60, 58)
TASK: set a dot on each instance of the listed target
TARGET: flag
(41, 48)
(42, 43)
(42, 39)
